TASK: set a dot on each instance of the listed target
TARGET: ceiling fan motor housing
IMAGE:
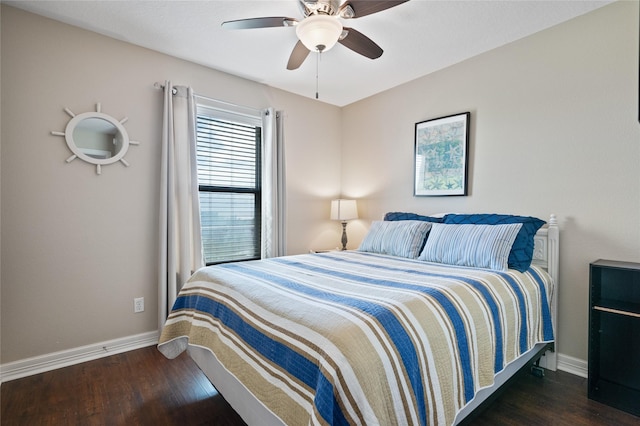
(327, 7)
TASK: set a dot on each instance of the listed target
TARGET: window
(228, 157)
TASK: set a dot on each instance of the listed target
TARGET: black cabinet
(614, 334)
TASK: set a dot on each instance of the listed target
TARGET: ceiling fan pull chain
(317, 70)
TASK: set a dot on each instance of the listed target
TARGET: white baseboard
(572, 365)
(40, 364)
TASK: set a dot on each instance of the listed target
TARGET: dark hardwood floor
(142, 387)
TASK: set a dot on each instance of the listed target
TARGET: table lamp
(344, 210)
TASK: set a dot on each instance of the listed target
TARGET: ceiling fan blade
(361, 44)
(367, 7)
(299, 54)
(244, 24)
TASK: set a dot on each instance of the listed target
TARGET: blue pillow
(521, 253)
(393, 216)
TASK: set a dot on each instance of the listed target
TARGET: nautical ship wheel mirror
(97, 138)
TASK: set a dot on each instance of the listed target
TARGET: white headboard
(546, 254)
(545, 250)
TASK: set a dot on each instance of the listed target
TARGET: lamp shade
(344, 210)
(319, 32)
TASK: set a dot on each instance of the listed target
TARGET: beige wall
(77, 247)
(0, 188)
(554, 129)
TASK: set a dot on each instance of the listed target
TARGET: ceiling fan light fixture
(319, 33)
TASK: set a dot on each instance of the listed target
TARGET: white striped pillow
(479, 246)
(403, 238)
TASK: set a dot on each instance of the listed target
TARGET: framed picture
(441, 147)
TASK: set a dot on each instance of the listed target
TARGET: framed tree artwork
(441, 156)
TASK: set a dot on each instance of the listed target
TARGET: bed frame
(546, 256)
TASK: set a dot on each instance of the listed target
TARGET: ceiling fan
(321, 29)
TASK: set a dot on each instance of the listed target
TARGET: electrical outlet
(138, 304)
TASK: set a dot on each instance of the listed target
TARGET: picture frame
(441, 156)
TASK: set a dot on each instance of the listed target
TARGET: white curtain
(180, 240)
(274, 206)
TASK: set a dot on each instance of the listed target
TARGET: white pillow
(402, 238)
(479, 246)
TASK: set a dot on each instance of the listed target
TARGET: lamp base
(344, 235)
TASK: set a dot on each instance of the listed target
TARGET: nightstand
(614, 334)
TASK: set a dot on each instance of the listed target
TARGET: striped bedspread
(357, 338)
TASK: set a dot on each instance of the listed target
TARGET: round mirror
(96, 138)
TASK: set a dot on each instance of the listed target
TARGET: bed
(400, 331)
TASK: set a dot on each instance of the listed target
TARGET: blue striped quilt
(357, 338)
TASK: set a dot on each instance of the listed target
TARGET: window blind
(228, 158)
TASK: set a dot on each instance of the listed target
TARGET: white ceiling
(418, 37)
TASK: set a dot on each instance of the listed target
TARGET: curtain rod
(161, 86)
(158, 85)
